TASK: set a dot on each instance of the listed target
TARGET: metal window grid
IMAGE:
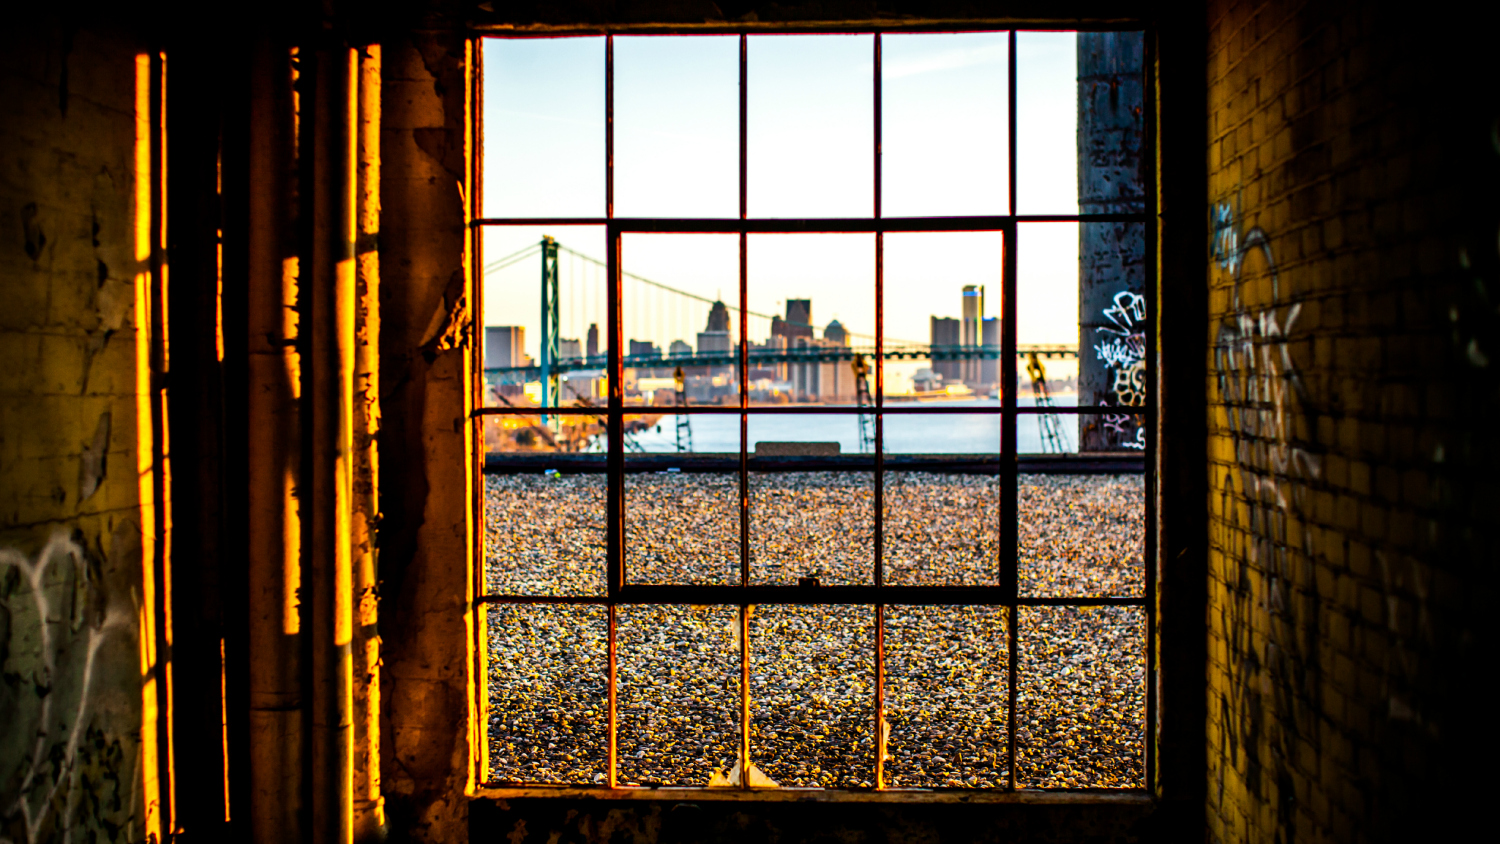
(879, 595)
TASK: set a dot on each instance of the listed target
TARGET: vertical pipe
(368, 809)
(331, 402)
(273, 455)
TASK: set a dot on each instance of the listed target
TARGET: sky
(810, 128)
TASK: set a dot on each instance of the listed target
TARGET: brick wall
(1349, 377)
(80, 648)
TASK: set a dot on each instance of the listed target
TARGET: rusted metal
(480, 616)
(879, 496)
(616, 424)
(744, 619)
(1009, 579)
(1006, 462)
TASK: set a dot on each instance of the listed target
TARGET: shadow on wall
(71, 690)
(1261, 530)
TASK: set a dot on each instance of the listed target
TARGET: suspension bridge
(658, 311)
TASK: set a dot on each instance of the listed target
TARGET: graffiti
(1122, 349)
(1127, 428)
(1263, 548)
(71, 693)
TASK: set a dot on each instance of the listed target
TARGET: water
(963, 431)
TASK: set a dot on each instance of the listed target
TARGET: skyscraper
(798, 322)
(971, 332)
(945, 335)
(591, 345)
(718, 318)
(504, 346)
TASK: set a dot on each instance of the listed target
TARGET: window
(816, 410)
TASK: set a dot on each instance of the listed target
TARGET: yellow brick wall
(78, 748)
(1347, 444)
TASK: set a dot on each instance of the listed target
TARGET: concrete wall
(82, 662)
(1352, 343)
(429, 693)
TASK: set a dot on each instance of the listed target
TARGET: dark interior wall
(1328, 334)
(1351, 333)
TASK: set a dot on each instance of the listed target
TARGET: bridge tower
(684, 422)
(550, 322)
(862, 395)
(1050, 423)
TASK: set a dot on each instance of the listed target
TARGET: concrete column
(1111, 256)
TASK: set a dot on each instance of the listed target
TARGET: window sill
(1119, 797)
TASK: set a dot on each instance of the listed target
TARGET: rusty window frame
(879, 595)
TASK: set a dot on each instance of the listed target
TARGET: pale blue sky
(810, 131)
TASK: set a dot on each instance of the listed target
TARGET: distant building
(945, 335)
(835, 333)
(989, 370)
(679, 349)
(504, 346)
(718, 317)
(644, 348)
(769, 370)
(798, 322)
(569, 349)
(970, 369)
(821, 380)
(713, 342)
(591, 346)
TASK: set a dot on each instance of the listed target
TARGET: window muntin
(766, 595)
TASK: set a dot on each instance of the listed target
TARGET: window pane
(677, 125)
(943, 296)
(682, 527)
(1082, 312)
(679, 693)
(1082, 535)
(812, 313)
(812, 504)
(812, 696)
(544, 532)
(941, 529)
(549, 697)
(811, 125)
(681, 305)
(944, 124)
(543, 127)
(1081, 702)
(975, 435)
(514, 347)
(945, 697)
(1046, 123)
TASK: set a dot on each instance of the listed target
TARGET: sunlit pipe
(277, 743)
(368, 809)
(330, 135)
